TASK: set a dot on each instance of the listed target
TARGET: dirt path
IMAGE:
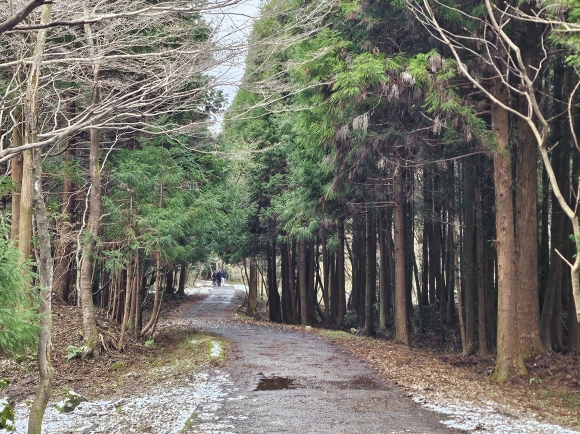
(285, 381)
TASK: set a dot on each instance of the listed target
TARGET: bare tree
(45, 258)
(14, 18)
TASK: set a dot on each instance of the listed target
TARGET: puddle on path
(363, 383)
(275, 383)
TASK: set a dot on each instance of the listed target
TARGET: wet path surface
(285, 381)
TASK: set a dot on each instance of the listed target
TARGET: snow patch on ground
(215, 349)
(165, 409)
(199, 288)
(487, 418)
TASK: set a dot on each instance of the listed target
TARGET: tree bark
(371, 270)
(293, 282)
(158, 300)
(64, 244)
(273, 294)
(285, 281)
(468, 268)
(311, 288)
(383, 275)
(481, 301)
(182, 278)
(462, 326)
(17, 167)
(325, 278)
(92, 343)
(45, 266)
(302, 282)
(341, 273)
(252, 287)
(401, 314)
(509, 357)
(25, 213)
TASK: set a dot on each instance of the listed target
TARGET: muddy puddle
(275, 383)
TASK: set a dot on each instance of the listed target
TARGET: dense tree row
(416, 173)
(108, 182)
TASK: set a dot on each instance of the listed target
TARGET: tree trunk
(302, 282)
(311, 288)
(451, 250)
(427, 207)
(45, 266)
(284, 271)
(333, 288)
(383, 276)
(92, 343)
(341, 274)
(158, 300)
(46, 278)
(64, 245)
(527, 214)
(25, 213)
(182, 278)
(325, 278)
(401, 313)
(169, 277)
(127, 307)
(462, 327)
(293, 281)
(481, 302)
(370, 272)
(135, 287)
(273, 294)
(252, 287)
(468, 268)
(17, 140)
(509, 357)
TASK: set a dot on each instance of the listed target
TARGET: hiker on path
(216, 278)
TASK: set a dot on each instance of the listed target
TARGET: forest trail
(273, 379)
(288, 381)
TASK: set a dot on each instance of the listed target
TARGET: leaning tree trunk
(45, 266)
(509, 357)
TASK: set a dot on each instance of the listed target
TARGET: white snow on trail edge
(491, 418)
(165, 409)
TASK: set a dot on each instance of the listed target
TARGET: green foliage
(366, 70)
(73, 351)
(6, 185)
(18, 302)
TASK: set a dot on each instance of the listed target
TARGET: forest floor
(184, 388)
